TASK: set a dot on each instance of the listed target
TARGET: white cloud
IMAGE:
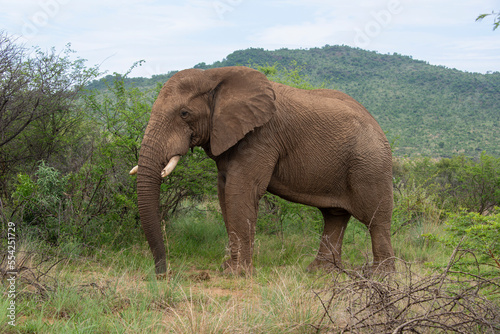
(116, 33)
(307, 34)
(174, 35)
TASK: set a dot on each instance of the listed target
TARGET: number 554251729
(11, 246)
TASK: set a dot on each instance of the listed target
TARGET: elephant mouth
(195, 140)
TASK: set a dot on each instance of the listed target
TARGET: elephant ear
(243, 100)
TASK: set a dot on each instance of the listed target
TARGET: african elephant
(316, 147)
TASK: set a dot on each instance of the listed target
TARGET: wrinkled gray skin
(320, 148)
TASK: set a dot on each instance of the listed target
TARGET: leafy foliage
(292, 76)
(39, 116)
(496, 19)
(121, 114)
(476, 236)
(461, 191)
(195, 178)
(41, 201)
(471, 183)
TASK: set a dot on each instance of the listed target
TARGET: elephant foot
(237, 269)
(323, 264)
(161, 277)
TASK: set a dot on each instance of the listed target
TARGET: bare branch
(405, 302)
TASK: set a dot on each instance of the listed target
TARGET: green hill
(425, 109)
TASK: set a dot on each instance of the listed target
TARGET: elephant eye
(184, 113)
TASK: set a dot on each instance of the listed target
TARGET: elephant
(316, 147)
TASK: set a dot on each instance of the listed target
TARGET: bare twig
(448, 301)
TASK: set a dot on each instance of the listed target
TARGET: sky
(174, 35)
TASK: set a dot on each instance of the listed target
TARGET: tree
(38, 102)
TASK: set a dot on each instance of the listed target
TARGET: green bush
(476, 237)
(39, 108)
(291, 76)
(471, 183)
(414, 205)
(67, 210)
(452, 183)
(42, 202)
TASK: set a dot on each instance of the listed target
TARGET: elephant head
(213, 109)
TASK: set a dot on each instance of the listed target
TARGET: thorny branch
(451, 301)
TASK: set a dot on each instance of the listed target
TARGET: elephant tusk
(170, 166)
(133, 171)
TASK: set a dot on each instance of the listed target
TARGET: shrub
(455, 182)
(81, 208)
(39, 91)
(474, 183)
(42, 201)
(413, 204)
(476, 237)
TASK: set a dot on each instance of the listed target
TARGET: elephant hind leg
(379, 227)
(330, 248)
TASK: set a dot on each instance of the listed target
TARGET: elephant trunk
(151, 163)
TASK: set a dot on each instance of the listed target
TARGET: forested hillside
(424, 109)
(430, 110)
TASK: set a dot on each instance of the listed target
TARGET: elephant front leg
(239, 206)
(240, 220)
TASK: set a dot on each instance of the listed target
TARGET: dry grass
(56, 295)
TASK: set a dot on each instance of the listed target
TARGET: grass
(127, 301)
(116, 291)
